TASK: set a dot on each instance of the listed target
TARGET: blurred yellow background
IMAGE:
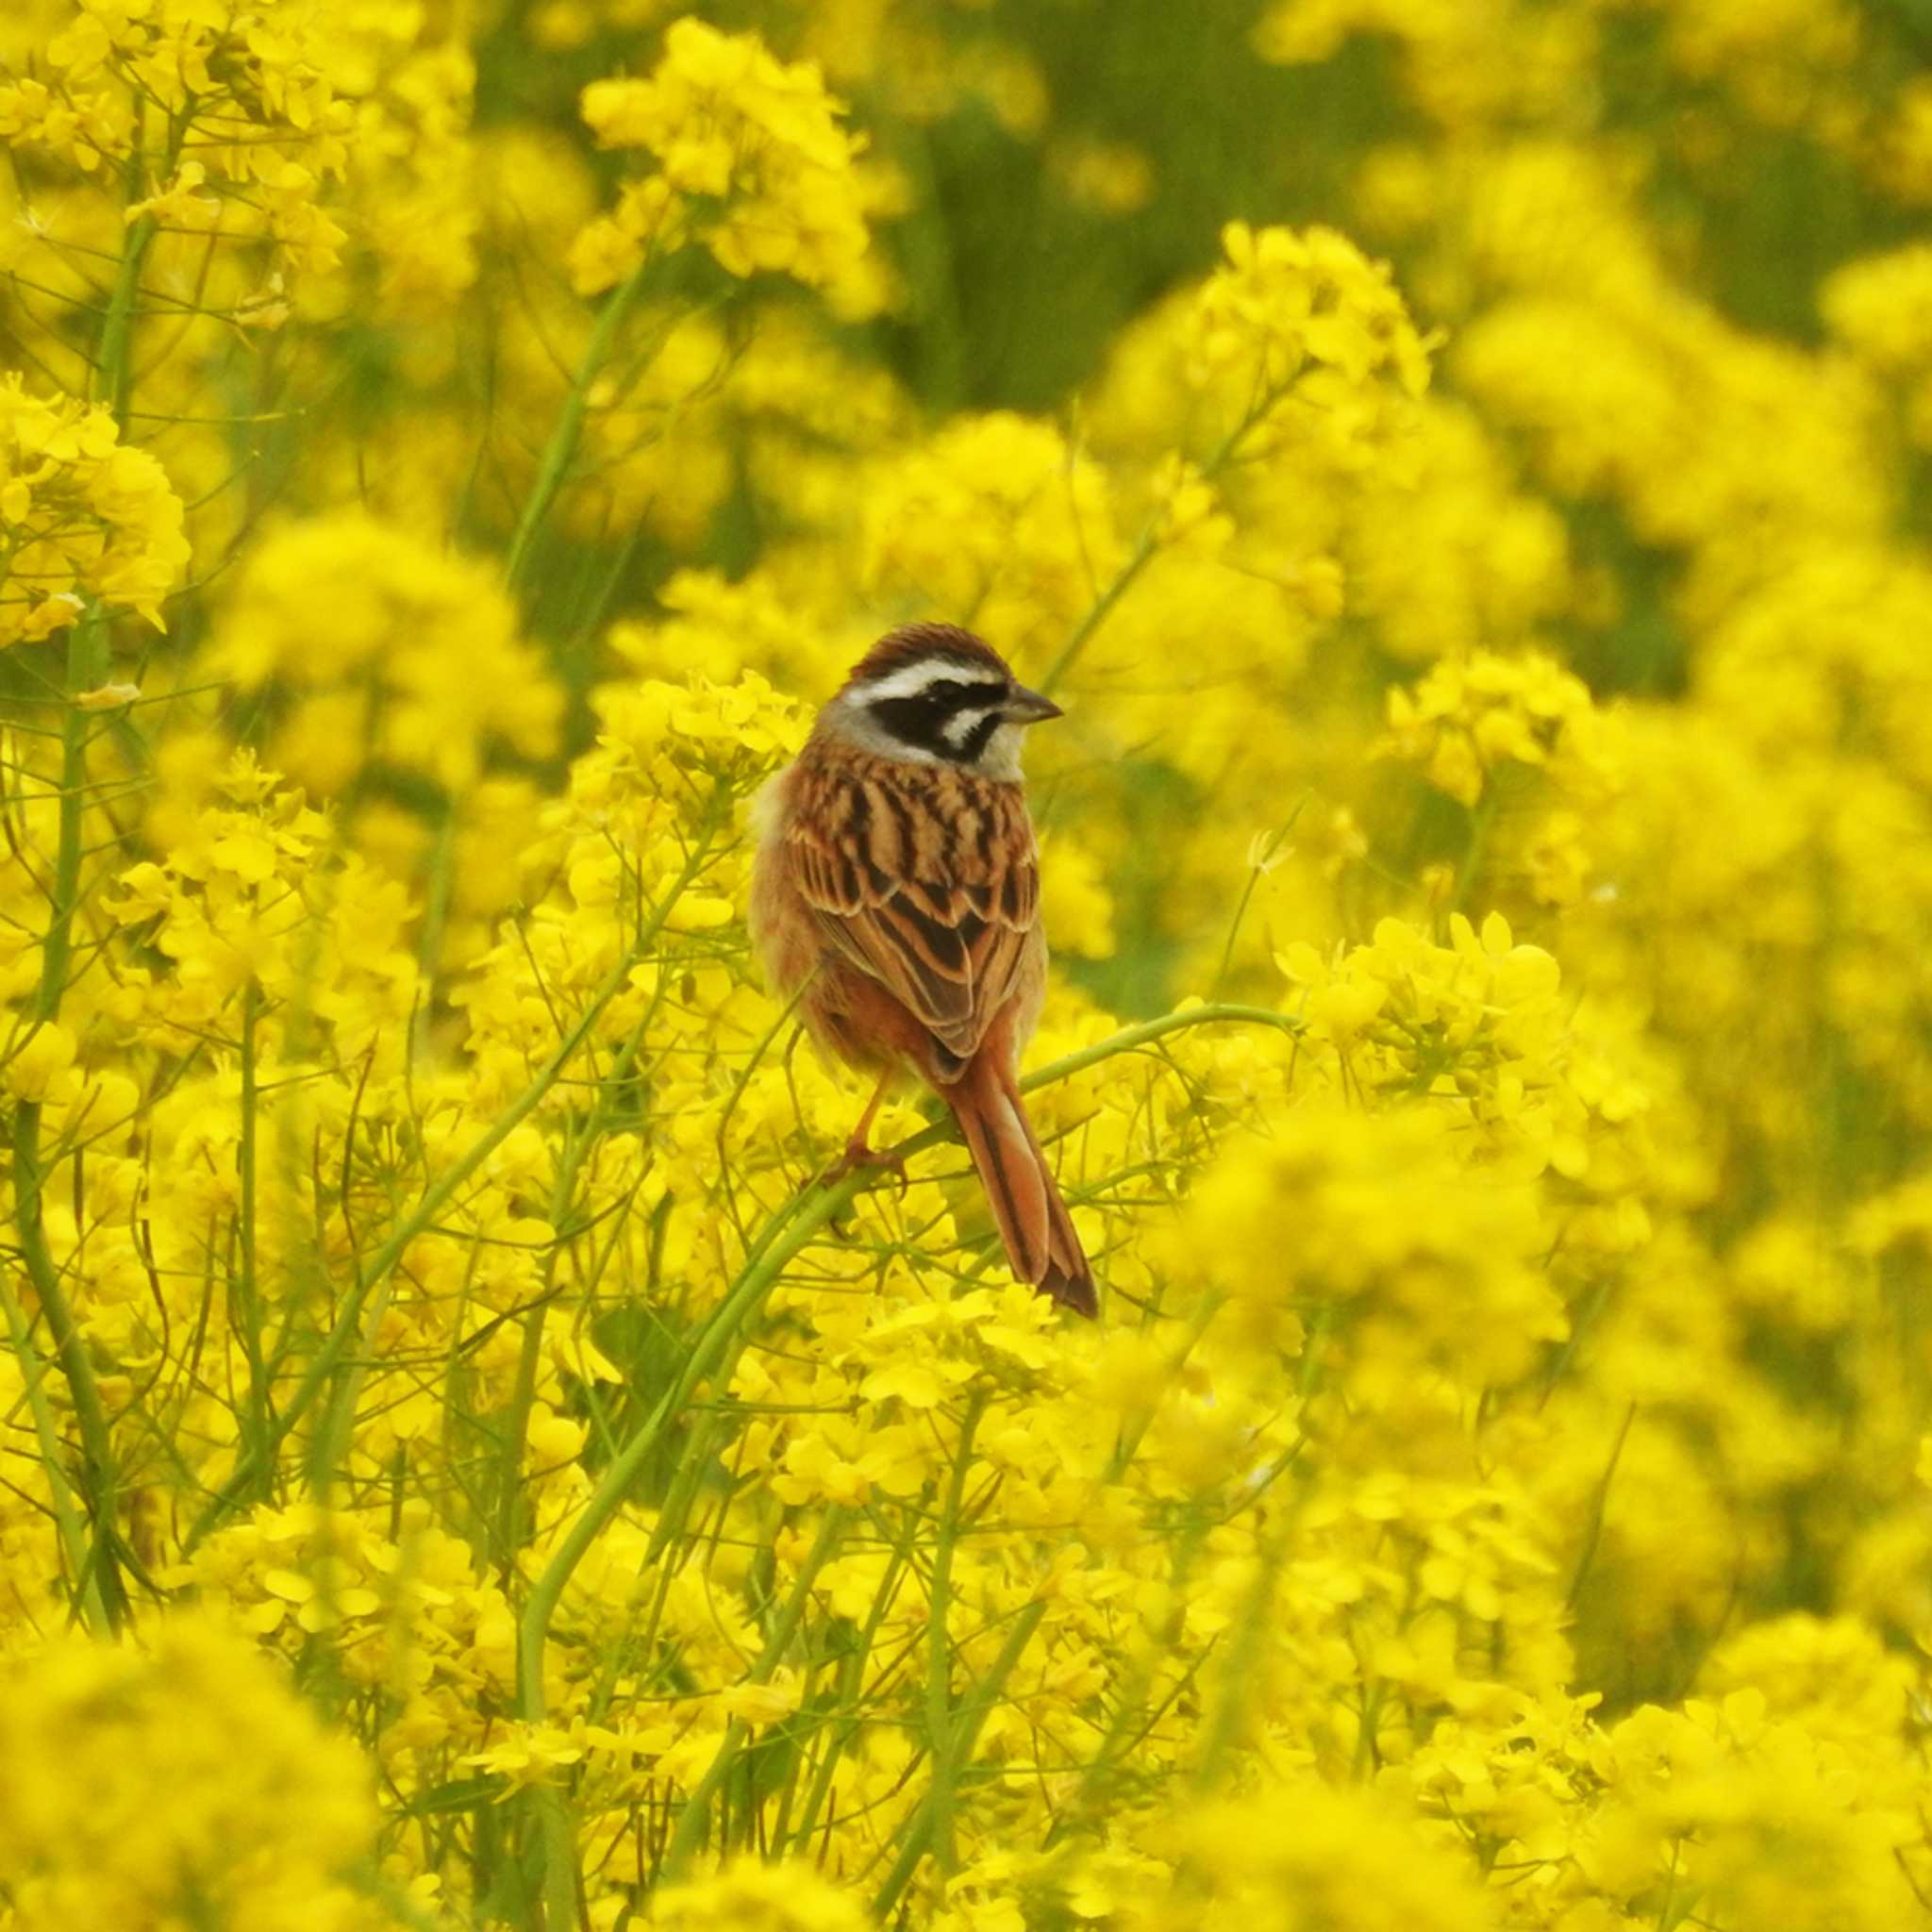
(1463, 466)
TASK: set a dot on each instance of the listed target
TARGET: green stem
(1145, 545)
(973, 1715)
(60, 1489)
(789, 1229)
(113, 361)
(98, 1482)
(801, 1223)
(1263, 859)
(693, 1823)
(529, 1359)
(1127, 1444)
(86, 666)
(1599, 1503)
(247, 1283)
(561, 450)
(436, 917)
(1480, 821)
(87, 648)
(846, 1713)
(349, 1324)
(114, 370)
(1223, 1731)
(1209, 1013)
(86, 660)
(516, 1433)
(938, 1669)
(1102, 606)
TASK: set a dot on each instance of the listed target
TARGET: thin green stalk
(1145, 545)
(939, 1668)
(1222, 1730)
(1127, 1444)
(114, 366)
(113, 357)
(98, 1480)
(332, 1435)
(1259, 866)
(350, 1325)
(678, 1496)
(1209, 1013)
(694, 1821)
(529, 1359)
(61, 1490)
(613, 1487)
(851, 1680)
(1102, 607)
(1481, 821)
(789, 1229)
(247, 1281)
(87, 662)
(516, 1431)
(672, 1518)
(86, 666)
(1599, 1503)
(973, 1714)
(436, 917)
(87, 648)
(1365, 1759)
(561, 450)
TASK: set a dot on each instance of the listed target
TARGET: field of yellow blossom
(1464, 467)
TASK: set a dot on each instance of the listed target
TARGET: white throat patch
(1001, 757)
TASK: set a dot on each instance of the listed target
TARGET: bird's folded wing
(948, 953)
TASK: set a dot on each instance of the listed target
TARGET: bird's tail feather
(1033, 1220)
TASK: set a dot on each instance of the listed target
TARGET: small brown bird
(898, 883)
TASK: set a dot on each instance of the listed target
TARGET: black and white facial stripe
(947, 710)
(941, 706)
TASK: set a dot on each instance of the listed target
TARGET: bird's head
(932, 693)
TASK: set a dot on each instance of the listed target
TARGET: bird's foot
(858, 1156)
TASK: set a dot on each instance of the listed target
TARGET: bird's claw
(858, 1157)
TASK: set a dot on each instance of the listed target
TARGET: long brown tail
(1033, 1220)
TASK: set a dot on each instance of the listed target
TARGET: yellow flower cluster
(1304, 312)
(1471, 717)
(83, 518)
(417, 668)
(753, 138)
(250, 81)
(1881, 309)
(996, 516)
(266, 1809)
(462, 1464)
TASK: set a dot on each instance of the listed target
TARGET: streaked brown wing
(942, 924)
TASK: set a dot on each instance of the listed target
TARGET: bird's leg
(857, 1151)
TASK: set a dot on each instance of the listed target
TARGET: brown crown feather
(911, 641)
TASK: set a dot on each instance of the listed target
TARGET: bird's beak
(1026, 706)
